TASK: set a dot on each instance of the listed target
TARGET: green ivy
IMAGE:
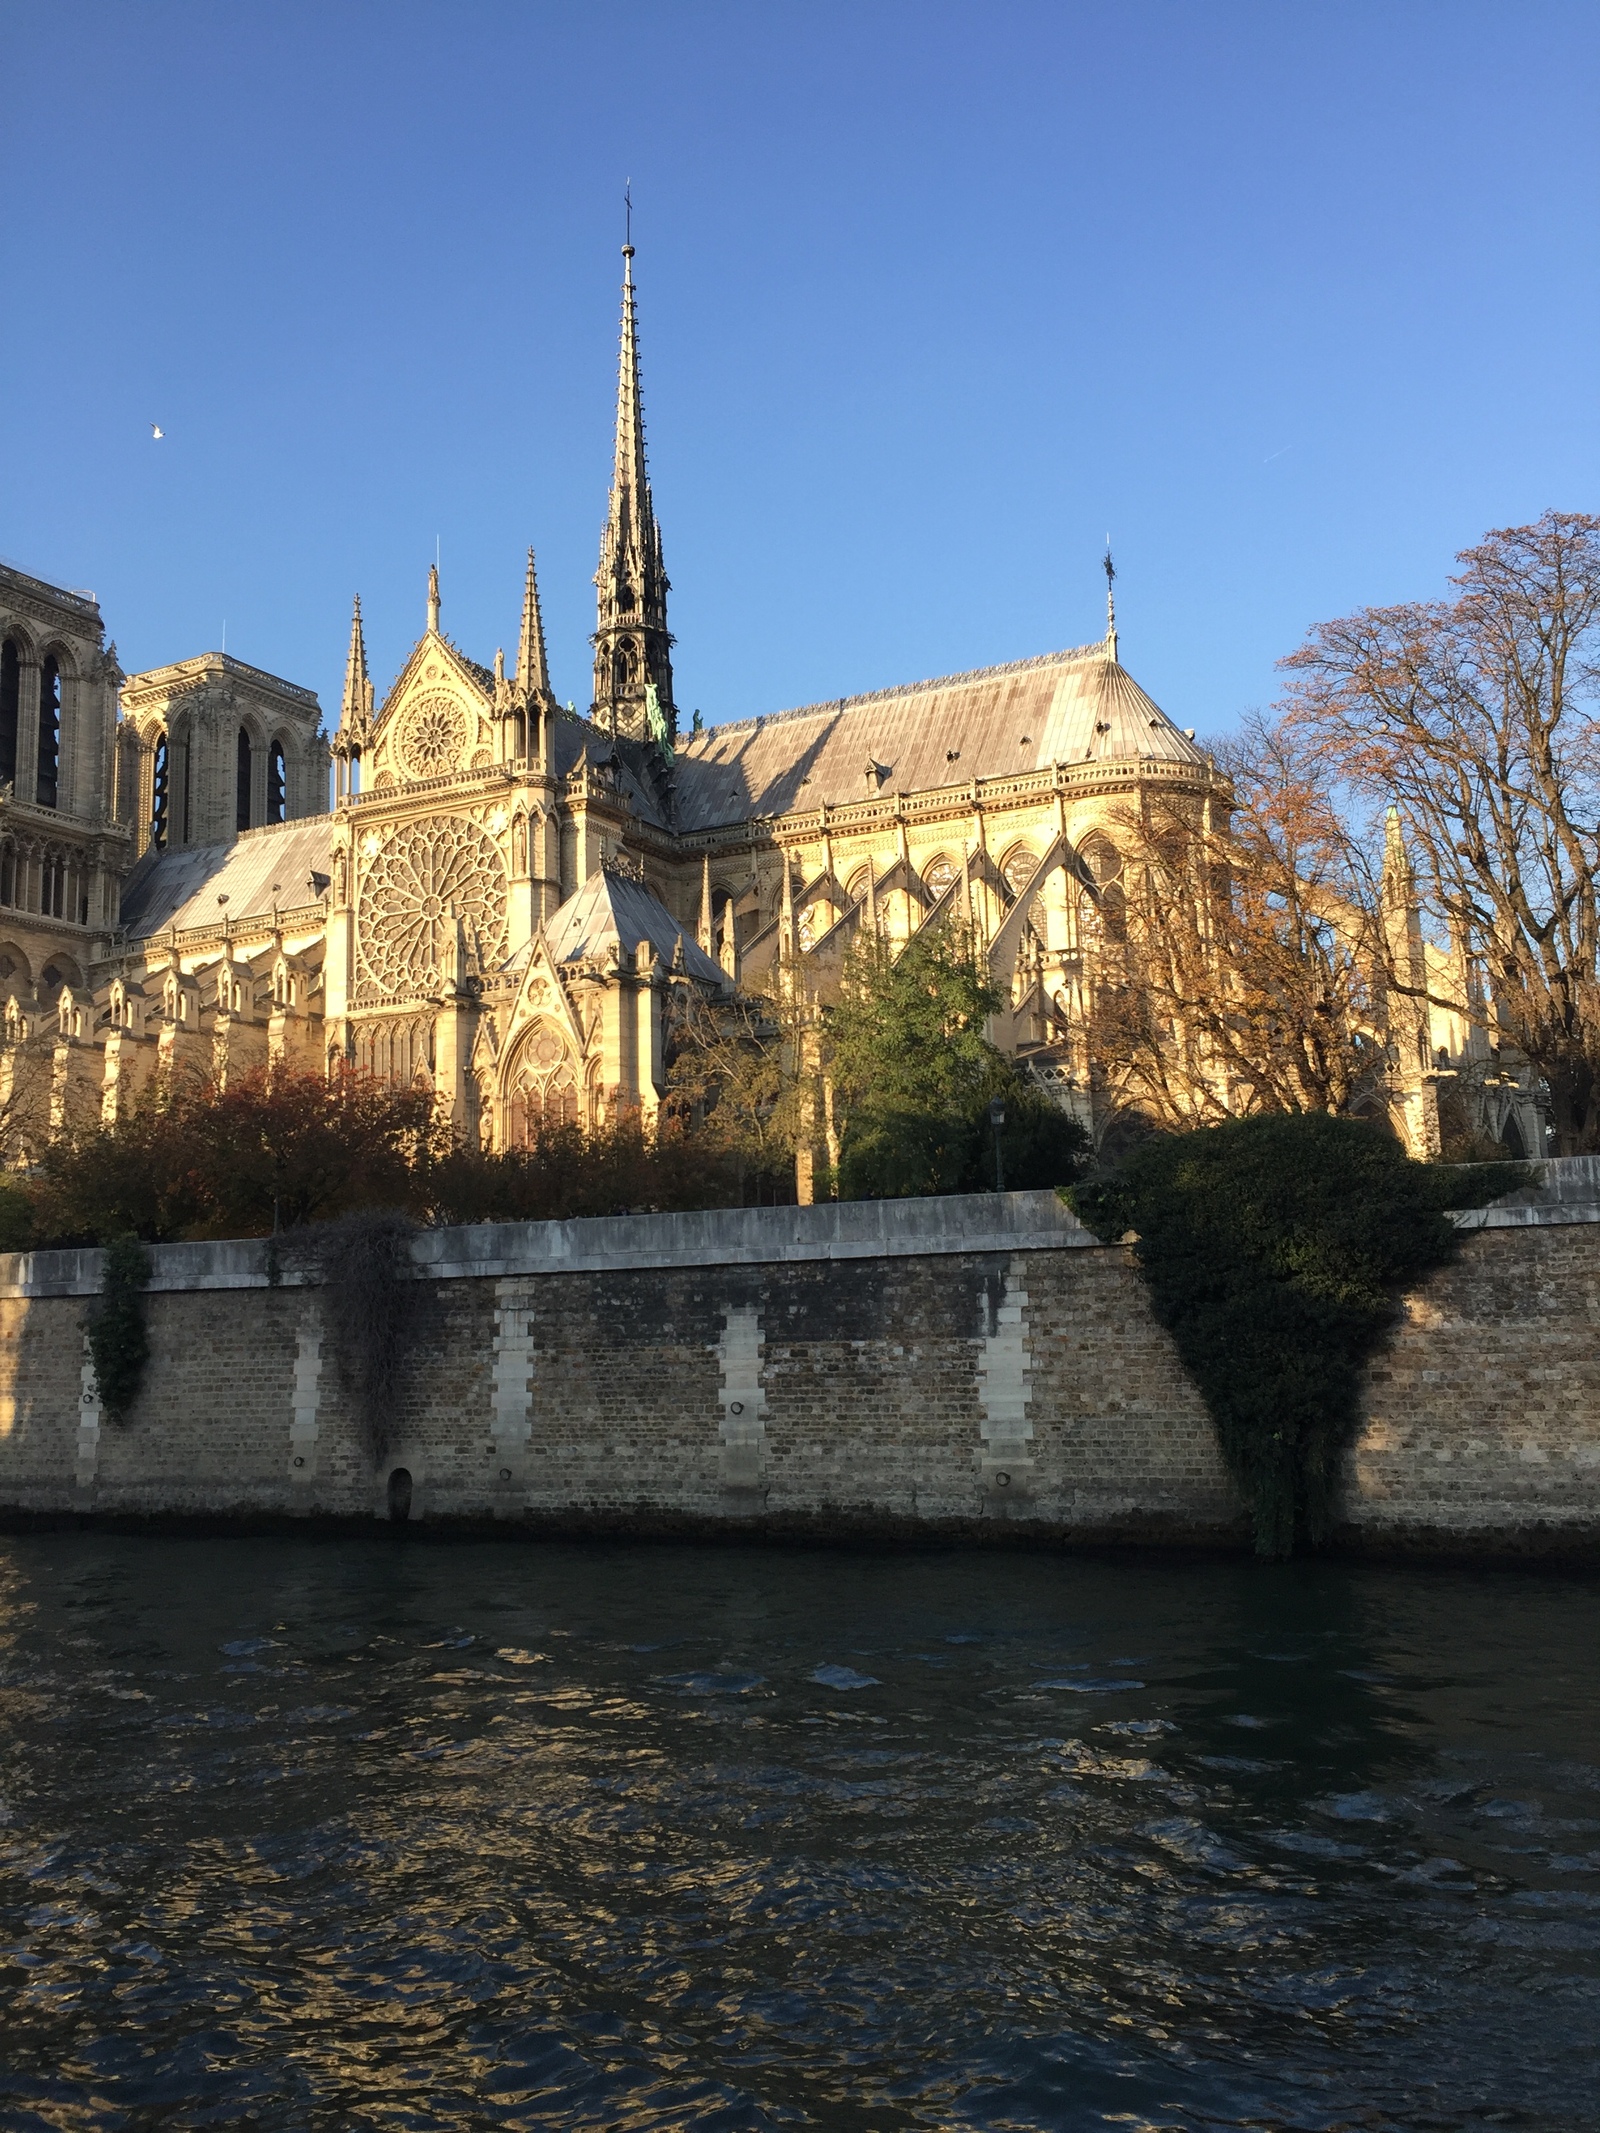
(119, 1341)
(1275, 1250)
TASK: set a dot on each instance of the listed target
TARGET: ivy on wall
(374, 1306)
(1275, 1250)
(119, 1340)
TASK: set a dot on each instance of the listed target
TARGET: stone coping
(724, 1236)
(1568, 1191)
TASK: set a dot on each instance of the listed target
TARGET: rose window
(433, 736)
(425, 876)
(938, 876)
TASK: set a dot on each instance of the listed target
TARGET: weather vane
(627, 207)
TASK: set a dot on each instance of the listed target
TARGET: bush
(17, 1223)
(565, 1171)
(894, 1152)
(270, 1149)
(1275, 1249)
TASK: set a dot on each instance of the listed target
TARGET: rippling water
(409, 1834)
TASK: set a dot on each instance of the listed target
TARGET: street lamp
(997, 1118)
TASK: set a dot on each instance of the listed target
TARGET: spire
(705, 903)
(632, 644)
(533, 675)
(357, 688)
(1110, 570)
(433, 598)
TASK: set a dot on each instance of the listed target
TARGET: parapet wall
(968, 1366)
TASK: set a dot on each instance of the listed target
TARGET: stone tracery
(413, 888)
(541, 1083)
(433, 735)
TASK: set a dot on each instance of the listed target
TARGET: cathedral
(511, 902)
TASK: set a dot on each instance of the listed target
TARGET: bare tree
(742, 1072)
(1230, 967)
(35, 1102)
(1476, 716)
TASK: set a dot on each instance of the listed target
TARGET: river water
(415, 1834)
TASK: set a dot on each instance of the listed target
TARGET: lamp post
(997, 1118)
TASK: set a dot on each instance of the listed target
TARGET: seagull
(156, 430)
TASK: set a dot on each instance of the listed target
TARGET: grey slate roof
(1067, 707)
(180, 887)
(611, 909)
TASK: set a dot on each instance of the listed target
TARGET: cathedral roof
(611, 911)
(1065, 707)
(180, 887)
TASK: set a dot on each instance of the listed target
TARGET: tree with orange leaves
(1230, 969)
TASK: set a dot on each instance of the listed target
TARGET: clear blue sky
(1294, 300)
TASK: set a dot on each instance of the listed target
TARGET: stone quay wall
(968, 1367)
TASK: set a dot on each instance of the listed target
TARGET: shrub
(897, 1151)
(16, 1217)
(271, 1148)
(1275, 1249)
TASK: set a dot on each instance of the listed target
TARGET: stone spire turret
(533, 673)
(632, 644)
(357, 704)
(355, 711)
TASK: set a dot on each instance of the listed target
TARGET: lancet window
(161, 796)
(10, 705)
(277, 785)
(542, 1085)
(48, 787)
(243, 776)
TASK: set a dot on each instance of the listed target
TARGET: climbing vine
(372, 1302)
(1275, 1250)
(119, 1340)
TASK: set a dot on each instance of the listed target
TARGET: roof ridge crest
(1073, 655)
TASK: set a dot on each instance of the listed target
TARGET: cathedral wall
(964, 1367)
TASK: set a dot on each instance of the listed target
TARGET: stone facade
(976, 1368)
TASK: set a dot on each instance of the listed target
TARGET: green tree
(914, 1076)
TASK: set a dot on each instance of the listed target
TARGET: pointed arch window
(161, 796)
(47, 791)
(277, 785)
(242, 782)
(10, 703)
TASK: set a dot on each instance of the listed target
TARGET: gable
(435, 720)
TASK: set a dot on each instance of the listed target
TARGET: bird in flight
(156, 430)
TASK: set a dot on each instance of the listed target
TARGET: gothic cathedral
(511, 902)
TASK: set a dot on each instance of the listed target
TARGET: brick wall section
(879, 1383)
(1483, 1413)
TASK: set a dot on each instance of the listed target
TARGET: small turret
(355, 711)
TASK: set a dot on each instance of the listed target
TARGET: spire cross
(627, 210)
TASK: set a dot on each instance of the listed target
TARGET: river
(411, 1834)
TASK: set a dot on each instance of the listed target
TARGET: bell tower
(632, 644)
